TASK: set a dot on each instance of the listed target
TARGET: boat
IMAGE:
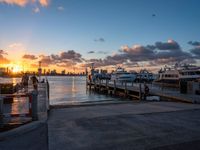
(176, 75)
(145, 76)
(121, 75)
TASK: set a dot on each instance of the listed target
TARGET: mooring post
(95, 85)
(125, 88)
(140, 92)
(99, 84)
(114, 86)
(86, 82)
(107, 84)
(90, 84)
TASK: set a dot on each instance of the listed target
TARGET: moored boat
(121, 75)
(175, 75)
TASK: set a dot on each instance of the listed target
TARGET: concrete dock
(133, 90)
(148, 125)
(112, 126)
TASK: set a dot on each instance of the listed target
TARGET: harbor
(121, 118)
(99, 75)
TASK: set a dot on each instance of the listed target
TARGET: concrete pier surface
(32, 136)
(148, 125)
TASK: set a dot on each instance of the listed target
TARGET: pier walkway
(143, 125)
(133, 90)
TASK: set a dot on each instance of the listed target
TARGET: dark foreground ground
(33, 136)
(124, 126)
(154, 125)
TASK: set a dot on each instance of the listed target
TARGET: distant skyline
(70, 34)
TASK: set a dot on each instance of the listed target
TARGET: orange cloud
(44, 2)
(15, 2)
(23, 3)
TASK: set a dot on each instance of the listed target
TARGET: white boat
(145, 76)
(175, 75)
(121, 75)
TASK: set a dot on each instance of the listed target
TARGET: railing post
(34, 106)
(1, 111)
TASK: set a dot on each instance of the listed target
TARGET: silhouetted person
(34, 81)
(24, 81)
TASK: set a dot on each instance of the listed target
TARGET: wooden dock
(136, 91)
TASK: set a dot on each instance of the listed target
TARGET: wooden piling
(90, 85)
(140, 92)
(114, 86)
(125, 88)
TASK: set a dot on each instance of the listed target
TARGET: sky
(72, 34)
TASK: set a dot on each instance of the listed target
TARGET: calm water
(67, 90)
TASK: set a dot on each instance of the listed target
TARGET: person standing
(34, 81)
(24, 81)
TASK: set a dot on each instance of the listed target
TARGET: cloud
(23, 3)
(194, 43)
(91, 52)
(99, 40)
(71, 55)
(102, 52)
(63, 59)
(3, 60)
(196, 51)
(61, 8)
(46, 60)
(99, 52)
(16, 50)
(36, 10)
(15, 45)
(169, 45)
(44, 2)
(28, 56)
(137, 53)
(2, 52)
(159, 54)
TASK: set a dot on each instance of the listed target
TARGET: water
(72, 89)
(67, 90)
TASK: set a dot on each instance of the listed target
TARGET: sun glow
(14, 68)
(17, 69)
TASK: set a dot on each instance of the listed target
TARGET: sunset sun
(17, 69)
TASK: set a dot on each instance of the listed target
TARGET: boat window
(198, 72)
(191, 73)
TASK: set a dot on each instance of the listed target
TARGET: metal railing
(37, 102)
